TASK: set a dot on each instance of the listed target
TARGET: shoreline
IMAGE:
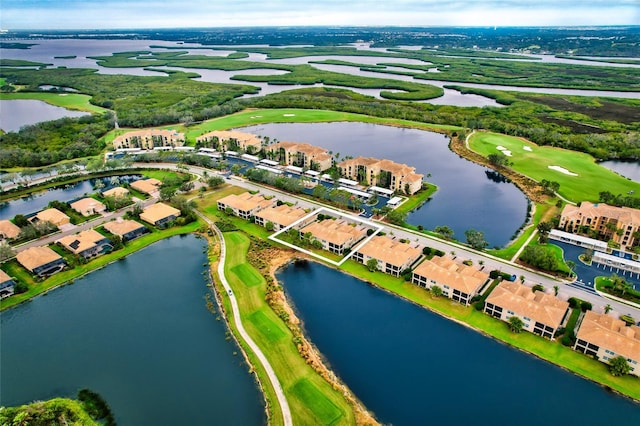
(312, 355)
(476, 329)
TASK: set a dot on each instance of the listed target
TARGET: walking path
(282, 400)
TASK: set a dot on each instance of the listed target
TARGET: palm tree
(556, 288)
(515, 324)
(607, 309)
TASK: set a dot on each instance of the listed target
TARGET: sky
(133, 14)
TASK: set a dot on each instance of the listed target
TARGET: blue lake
(139, 333)
(467, 197)
(410, 366)
(39, 200)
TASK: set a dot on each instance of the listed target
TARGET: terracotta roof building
(246, 204)
(392, 256)
(604, 221)
(280, 216)
(605, 337)
(8, 230)
(89, 243)
(458, 281)
(336, 236)
(149, 139)
(6, 285)
(125, 229)
(116, 192)
(54, 216)
(88, 206)
(159, 214)
(230, 140)
(147, 186)
(541, 313)
(41, 261)
(301, 155)
(382, 173)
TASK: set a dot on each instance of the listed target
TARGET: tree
(516, 324)
(543, 229)
(396, 217)
(269, 226)
(618, 366)
(537, 287)
(476, 239)
(445, 231)
(372, 265)
(549, 187)
(166, 193)
(498, 160)
(436, 291)
(556, 288)
(607, 308)
(5, 250)
(215, 181)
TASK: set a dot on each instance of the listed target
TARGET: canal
(410, 366)
(139, 333)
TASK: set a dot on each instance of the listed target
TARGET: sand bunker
(256, 116)
(288, 115)
(500, 148)
(507, 152)
(527, 148)
(562, 170)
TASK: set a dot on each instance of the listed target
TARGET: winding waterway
(466, 197)
(138, 332)
(412, 367)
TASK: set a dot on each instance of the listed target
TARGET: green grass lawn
(323, 409)
(260, 116)
(315, 401)
(66, 100)
(249, 276)
(591, 180)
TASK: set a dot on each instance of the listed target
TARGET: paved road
(284, 405)
(51, 238)
(566, 289)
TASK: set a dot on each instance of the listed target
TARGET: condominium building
(88, 206)
(147, 186)
(337, 235)
(382, 173)
(280, 216)
(125, 229)
(392, 255)
(245, 205)
(606, 337)
(620, 224)
(458, 281)
(300, 154)
(159, 214)
(230, 140)
(54, 216)
(149, 139)
(6, 285)
(41, 261)
(8, 230)
(541, 313)
(117, 192)
(89, 243)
